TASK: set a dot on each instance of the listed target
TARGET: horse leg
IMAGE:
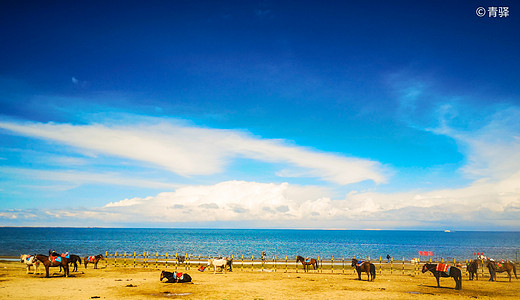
(46, 271)
(438, 283)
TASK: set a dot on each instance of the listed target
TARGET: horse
(453, 272)
(175, 277)
(472, 268)
(221, 263)
(503, 266)
(93, 260)
(366, 267)
(57, 262)
(230, 264)
(30, 260)
(313, 262)
(72, 258)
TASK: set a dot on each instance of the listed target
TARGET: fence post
(391, 265)
(380, 266)
(134, 259)
(403, 264)
(274, 263)
(115, 259)
(343, 264)
(286, 267)
(166, 260)
(252, 263)
(124, 260)
(242, 265)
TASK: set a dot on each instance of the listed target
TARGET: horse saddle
(67, 256)
(359, 263)
(55, 258)
(178, 275)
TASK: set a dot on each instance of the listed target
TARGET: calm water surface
(247, 242)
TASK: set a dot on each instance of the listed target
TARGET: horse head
(428, 267)
(354, 262)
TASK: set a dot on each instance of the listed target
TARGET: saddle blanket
(202, 268)
(55, 258)
(91, 258)
(178, 275)
(443, 268)
(308, 260)
(67, 256)
(359, 263)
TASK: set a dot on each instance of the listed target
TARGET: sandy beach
(143, 283)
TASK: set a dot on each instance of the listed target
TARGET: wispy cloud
(77, 178)
(189, 150)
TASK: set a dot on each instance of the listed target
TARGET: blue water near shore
(338, 243)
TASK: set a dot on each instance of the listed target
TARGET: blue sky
(260, 114)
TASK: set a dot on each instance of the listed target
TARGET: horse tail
(514, 270)
(373, 271)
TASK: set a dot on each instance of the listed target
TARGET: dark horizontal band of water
(348, 243)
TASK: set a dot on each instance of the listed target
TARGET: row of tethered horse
(438, 270)
(55, 259)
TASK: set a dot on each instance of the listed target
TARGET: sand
(143, 283)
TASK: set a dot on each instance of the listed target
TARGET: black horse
(175, 277)
(71, 258)
(472, 268)
(366, 267)
(453, 272)
(230, 264)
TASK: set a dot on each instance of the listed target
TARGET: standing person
(388, 258)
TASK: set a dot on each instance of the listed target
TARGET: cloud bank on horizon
(226, 117)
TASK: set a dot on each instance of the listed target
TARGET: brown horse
(366, 267)
(93, 260)
(472, 268)
(58, 262)
(313, 262)
(499, 267)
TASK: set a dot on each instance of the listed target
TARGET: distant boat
(447, 230)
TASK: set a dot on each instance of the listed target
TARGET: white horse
(30, 260)
(221, 263)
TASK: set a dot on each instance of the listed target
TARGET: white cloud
(78, 178)
(226, 201)
(192, 151)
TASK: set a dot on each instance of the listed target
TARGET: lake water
(348, 243)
